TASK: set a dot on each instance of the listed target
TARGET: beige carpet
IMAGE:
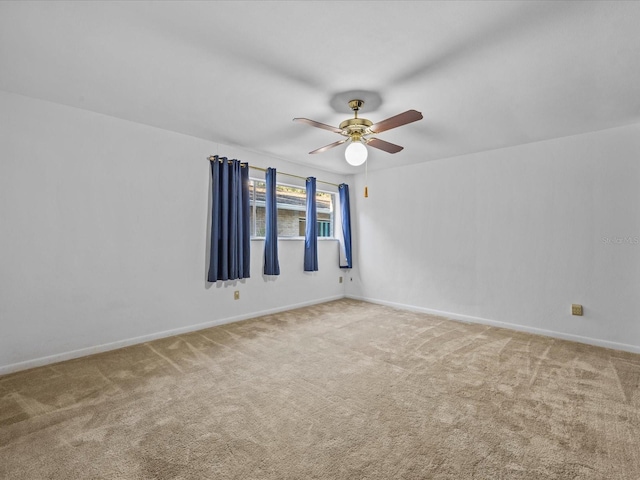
(342, 390)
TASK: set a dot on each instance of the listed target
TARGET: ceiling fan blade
(382, 145)
(331, 145)
(396, 121)
(313, 123)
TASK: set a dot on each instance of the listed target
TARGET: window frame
(254, 206)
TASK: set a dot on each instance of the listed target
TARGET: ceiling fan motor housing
(356, 125)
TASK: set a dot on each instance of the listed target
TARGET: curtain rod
(213, 158)
(294, 176)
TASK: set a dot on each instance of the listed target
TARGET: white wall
(514, 236)
(103, 237)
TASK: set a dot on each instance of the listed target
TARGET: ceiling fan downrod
(355, 125)
(356, 105)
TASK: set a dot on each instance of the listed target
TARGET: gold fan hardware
(355, 126)
(356, 105)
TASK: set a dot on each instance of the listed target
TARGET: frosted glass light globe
(356, 154)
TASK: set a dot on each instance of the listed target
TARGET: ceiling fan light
(356, 153)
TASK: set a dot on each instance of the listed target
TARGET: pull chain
(366, 174)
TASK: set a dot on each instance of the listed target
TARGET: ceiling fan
(360, 131)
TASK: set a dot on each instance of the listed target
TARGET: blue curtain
(311, 230)
(230, 235)
(271, 264)
(345, 211)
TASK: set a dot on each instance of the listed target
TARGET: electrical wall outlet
(236, 295)
(576, 309)
(340, 281)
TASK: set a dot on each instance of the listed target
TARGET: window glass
(292, 204)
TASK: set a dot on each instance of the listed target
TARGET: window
(292, 206)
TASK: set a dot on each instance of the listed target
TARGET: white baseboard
(511, 326)
(59, 357)
(83, 352)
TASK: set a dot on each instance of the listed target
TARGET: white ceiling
(485, 75)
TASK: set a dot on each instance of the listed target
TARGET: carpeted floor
(342, 390)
